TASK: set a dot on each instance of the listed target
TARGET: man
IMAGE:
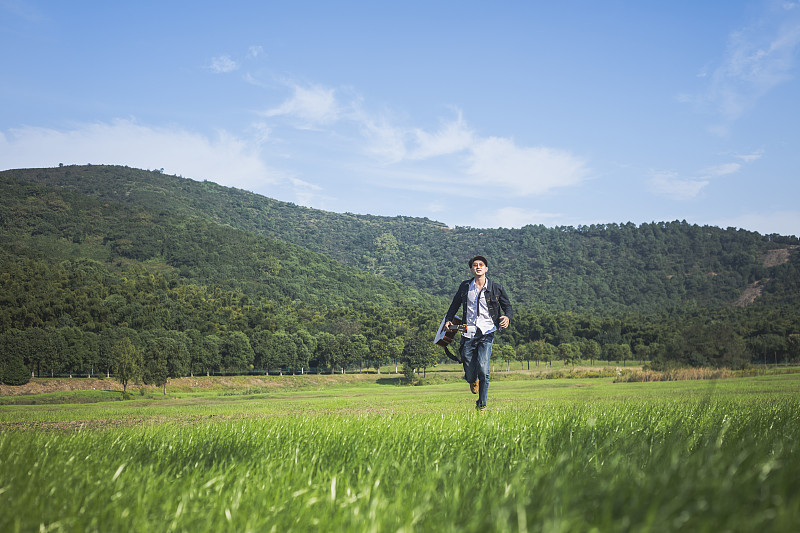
(481, 301)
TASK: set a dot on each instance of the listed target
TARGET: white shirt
(478, 316)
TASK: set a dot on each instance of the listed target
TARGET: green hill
(609, 267)
(196, 277)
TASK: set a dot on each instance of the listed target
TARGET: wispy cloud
(222, 64)
(721, 170)
(757, 59)
(224, 158)
(454, 152)
(749, 158)
(382, 141)
(452, 137)
(526, 171)
(255, 51)
(671, 185)
(314, 106)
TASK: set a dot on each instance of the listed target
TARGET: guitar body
(444, 336)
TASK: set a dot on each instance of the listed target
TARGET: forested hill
(610, 268)
(70, 258)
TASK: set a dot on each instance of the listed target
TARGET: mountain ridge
(615, 267)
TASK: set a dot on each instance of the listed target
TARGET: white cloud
(255, 51)
(314, 106)
(382, 140)
(223, 159)
(499, 162)
(669, 184)
(222, 64)
(452, 137)
(722, 170)
(757, 59)
(307, 193)
(749, 158)
(495, 165)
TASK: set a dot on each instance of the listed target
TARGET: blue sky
(470, 113)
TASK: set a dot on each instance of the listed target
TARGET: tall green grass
(702, 460)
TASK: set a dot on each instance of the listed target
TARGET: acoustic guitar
(445, 336)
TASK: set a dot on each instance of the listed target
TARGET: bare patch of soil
(197, 383)
(752, 292)
(778, 257)
(45, 385)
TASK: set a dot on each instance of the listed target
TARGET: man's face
(478, 268)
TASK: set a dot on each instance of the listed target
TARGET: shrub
(408, 372)
(675, 374)
(15, 372)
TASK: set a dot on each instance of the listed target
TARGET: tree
(178, 361)
(706, 344)
(211, 356)
(236, 352)
(543, 351)
(794, 346)
(324, 350)
(379, 352)
(340, 351)
(418, 353)
(12, 368)
(156, 356)
(505, 353)
(775, 345)
(195, 350)
(305, 345)
(618, 352)
(590, 349)
(281, 351)
(10, 348)
(107, 339)
(395, 350)
(14, 372)
(569, 353)
(525, 353)
(127, 362)
(642, 351)
(162, 360)
(359, 348)
(39, 349)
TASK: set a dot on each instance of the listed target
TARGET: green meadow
(549, 455)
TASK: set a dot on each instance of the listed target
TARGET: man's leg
(469, 355)
(483, 356)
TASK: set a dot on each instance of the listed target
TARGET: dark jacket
(496, 299)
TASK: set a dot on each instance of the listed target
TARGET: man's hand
(504, 322)
(448, 325)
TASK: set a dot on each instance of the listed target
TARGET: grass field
(368, 455)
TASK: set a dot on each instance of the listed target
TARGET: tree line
(70, 318)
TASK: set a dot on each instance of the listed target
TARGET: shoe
(474, 387)
(481, 410)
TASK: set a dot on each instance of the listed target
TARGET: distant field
(369, 455)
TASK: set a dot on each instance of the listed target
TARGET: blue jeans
(476, 353)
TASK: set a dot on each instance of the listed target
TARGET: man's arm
(454, 305)
(505, 305)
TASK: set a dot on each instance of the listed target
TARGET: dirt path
(186, 384)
